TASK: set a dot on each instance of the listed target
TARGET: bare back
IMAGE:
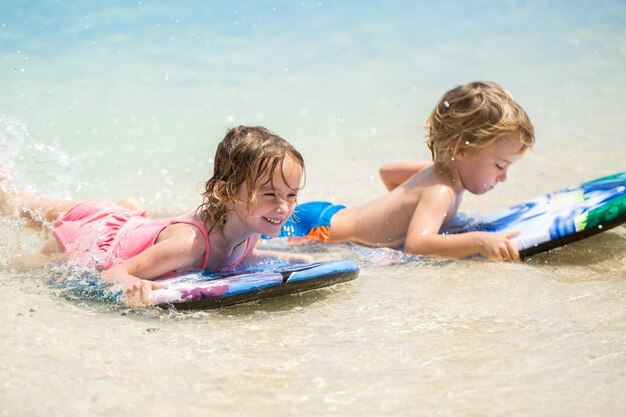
(385, 220)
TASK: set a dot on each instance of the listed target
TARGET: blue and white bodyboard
(557, 218)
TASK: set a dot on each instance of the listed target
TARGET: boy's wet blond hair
(474, 116)
(244, 155)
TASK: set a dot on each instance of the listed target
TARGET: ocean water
(129, 99)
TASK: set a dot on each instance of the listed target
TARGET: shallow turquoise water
(111, 99)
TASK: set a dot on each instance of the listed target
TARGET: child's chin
(480, 191)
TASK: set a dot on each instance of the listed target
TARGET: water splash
(13, 135)
(80, 282)
(33, 164)
(375, 257)
(27, 164)
(362, 255)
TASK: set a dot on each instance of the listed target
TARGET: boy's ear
(458, 152)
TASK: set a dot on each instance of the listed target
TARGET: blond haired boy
(475, 133)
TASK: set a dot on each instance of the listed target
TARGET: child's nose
(282, 206)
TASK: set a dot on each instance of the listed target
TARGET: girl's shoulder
(188, 234)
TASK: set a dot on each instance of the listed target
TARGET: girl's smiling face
(275, 202)
(480, 170)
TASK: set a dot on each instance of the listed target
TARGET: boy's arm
(423, 236)
(395, 173)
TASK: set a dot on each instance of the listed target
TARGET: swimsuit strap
(205, 234)
(200, 226)
(248, 244)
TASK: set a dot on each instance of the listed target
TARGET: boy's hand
(497, 246)
(139, 293)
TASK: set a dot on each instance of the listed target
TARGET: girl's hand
(298, 258)
(139, 294)
(497, 246)
(261, 255)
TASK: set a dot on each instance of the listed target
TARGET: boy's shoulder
(433, 184)
(429, 176)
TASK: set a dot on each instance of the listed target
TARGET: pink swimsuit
(117, 233)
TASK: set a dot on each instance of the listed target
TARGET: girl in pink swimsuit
(256, 179)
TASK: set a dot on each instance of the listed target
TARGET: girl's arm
(395, 173)
(260, 255)
(423, 236)
(179, 251)
(257, 255)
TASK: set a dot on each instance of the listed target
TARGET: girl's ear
(220, 185)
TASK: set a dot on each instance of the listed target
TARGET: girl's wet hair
(474, 116)
(244, 155)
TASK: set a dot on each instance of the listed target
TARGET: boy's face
(480, 170)
(274, 205)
